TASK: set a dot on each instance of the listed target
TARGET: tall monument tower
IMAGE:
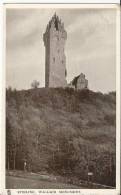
(55, 60)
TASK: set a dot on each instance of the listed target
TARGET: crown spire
(56, 23)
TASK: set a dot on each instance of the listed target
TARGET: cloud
(90, 45)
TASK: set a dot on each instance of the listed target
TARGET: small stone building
(79, 82)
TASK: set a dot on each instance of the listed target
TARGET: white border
(118, 98)
(2, 100)
(62, 6)
(64, 1)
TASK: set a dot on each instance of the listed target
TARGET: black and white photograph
(61, 72)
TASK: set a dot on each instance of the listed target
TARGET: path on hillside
(26, 183)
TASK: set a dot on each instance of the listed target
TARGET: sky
(90, 46)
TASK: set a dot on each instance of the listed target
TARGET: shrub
(110, 119)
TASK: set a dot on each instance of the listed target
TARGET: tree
(35, 84)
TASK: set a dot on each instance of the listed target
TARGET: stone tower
(55, 60)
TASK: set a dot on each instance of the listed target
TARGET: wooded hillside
(63, 132)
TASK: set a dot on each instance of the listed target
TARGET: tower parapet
(53, 27)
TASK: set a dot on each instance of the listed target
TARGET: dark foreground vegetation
(62, 132)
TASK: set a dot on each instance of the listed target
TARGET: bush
(110, 119)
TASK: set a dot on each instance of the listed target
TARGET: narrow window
(54, 59)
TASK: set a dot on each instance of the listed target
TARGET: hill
(62, 131)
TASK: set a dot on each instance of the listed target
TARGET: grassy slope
(27, 183)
